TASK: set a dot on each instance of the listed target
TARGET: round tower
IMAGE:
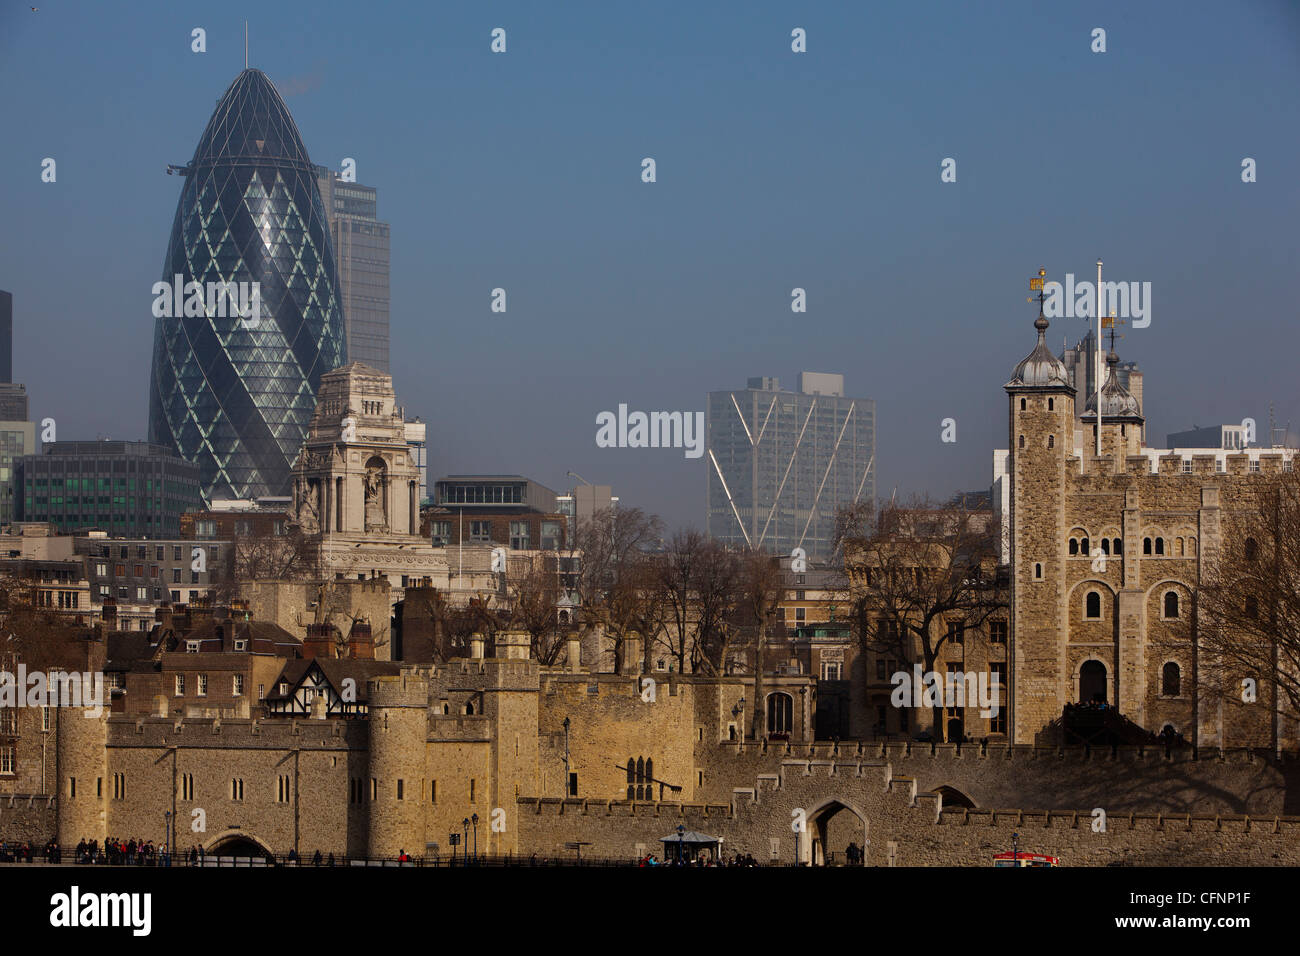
(82, 774)
(399, 726)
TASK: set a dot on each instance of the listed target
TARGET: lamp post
(474, 819)
(167, 833)
(465, 824)
(566, 757)
(681, 832)
(1015, 849)
(453, 838)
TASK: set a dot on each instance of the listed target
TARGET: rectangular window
(956, 632)
(8, 755)
(180, 685)
(237, 685)
(401, 789)
(45, 719)
(471, 789)
(480, 530)
(997, 632)
(433, 791)
(441, 532)
(519, 536)
(203, 685)
(998, 676)
(550, 536)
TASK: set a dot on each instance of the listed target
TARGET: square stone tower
(1041, 421)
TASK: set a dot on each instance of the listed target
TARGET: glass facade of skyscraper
(234, 393)
(781, 463)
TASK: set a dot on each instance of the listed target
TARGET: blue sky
(775, 170)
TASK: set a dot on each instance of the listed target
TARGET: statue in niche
(309, 509)
(376, 516)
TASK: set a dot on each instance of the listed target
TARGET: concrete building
(780, 463)
(361, 248)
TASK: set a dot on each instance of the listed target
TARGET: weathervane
(1036, 284)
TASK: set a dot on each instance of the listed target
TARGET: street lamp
(465, 824)
(453, 838)
(474, 818)
(1015, 849)
(167, 832)
(566, 757)
(681, 832)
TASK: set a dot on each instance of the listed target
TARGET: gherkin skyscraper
(234, 392)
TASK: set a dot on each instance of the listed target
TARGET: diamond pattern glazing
(236, 400)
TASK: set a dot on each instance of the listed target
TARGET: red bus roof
(1022, 855)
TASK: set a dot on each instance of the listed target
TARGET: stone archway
(832, 828)
(238, 843)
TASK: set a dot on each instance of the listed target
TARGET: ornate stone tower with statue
(355, 485)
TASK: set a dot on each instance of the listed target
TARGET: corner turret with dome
(231, 393)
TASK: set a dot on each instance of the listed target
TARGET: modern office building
(1081, 371)
(234, 393)
(361, 257)
(126, 488)
(1231, 437)
(13, 402)
(6, 336)
(17, 438)
(781, 463)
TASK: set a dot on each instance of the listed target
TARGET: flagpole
(1097, 332)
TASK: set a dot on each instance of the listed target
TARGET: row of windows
(1092, 605)
(357, 790)
(201, 680)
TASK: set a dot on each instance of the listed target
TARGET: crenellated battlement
(251, 734)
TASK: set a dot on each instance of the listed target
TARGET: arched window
(780, 713)
(1084, 548)
(1051, 404)
(1118, 546)
(1022, 441)
(1191, 546)
(1092, 605)
(469, 708)
(1105, 545)
(1179, 544)
(1022, 404)
(1146, 545)
(1074, 545)
(631, 779)
(1051, 441)
(1171, 604)
(1170, 680)
(1160, 545)
(1038, 571)
(1252, 549)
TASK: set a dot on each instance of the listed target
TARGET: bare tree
(914, 570)
(534, 594)
(613, 583)
(1244, 626)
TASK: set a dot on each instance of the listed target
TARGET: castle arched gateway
(832, 826)
(237, 843)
